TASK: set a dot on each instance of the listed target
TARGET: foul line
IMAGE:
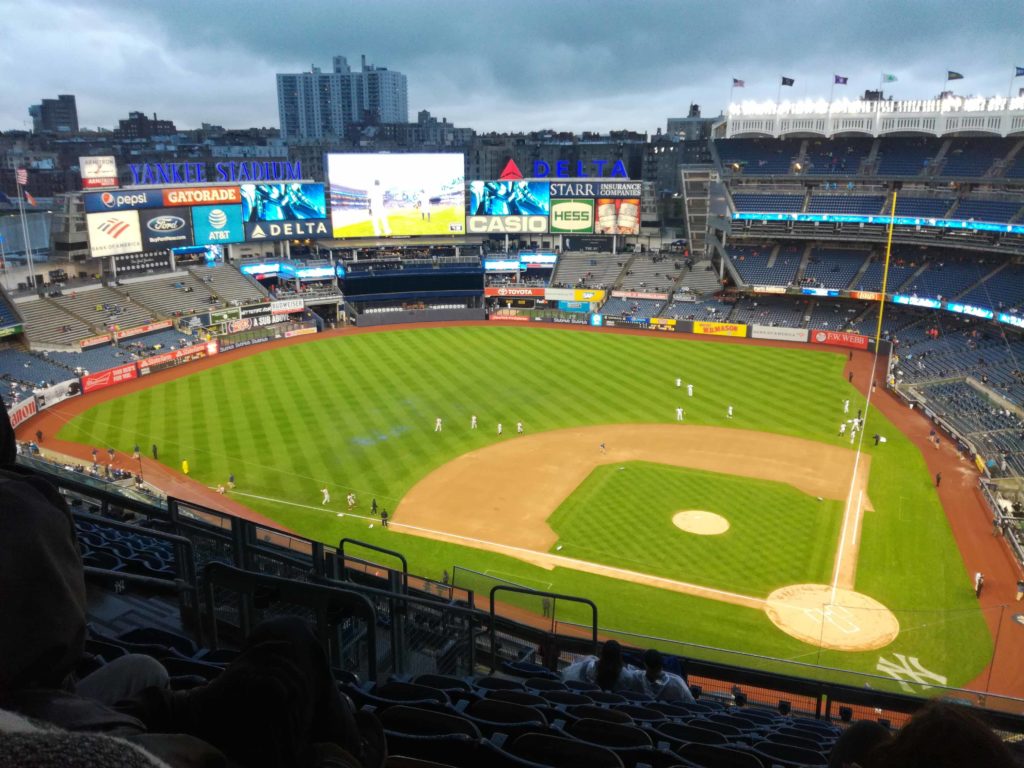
(568, 562)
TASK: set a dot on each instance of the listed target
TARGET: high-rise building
(319, 105)
(58, 115)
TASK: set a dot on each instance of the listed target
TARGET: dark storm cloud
(581, 66)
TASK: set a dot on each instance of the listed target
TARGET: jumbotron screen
(509, 198)
(400, 195)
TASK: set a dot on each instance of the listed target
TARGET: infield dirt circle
(700, 522)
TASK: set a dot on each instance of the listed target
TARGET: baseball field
(765, 533)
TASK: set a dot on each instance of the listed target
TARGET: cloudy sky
(531, 64)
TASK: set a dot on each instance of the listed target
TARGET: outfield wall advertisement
(839, 339)
(139, 330)
(720, 329)
(22, 411)
(778, 334)
(176, 357)
(381, 195)
(109, 377)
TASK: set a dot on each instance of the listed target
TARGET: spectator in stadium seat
(942, 735)
(662, 685)
(607, 671)
(857, 743)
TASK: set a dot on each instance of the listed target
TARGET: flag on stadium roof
(21, 176)
(31, 200)
(951, 75)
(742, 83)
(1020, 72)
(788, 81)
(840, 80)
(888, 78)
(511, 171)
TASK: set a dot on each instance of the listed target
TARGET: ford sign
(165, 224)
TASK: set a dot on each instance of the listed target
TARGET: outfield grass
(357, 413)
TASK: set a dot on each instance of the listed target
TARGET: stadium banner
(11, 330)
(227, 346)
(217, 224)
(202, 196)
(501, 265)
(95, 341)
(287, 230)
(574, 306)
(575, 216)
(143, 262)
(111, 234)
(57, 393)
(283, 202)
(104, 202)
(720, 329)
(300, 332)
(507, 225)
(166, 228)
(596, 189)
(769, 289)
(639, 295)
(866, 295)
(512, 197)
(508, 314)
(98, 171)
(176, 357)
(538, 259)
(224, 315)
(109, 377)
(662, 324)
(141, 329)
(286, 306)
(568, 320)
(254, 310)
(513, 291)
(617, 216)
(778, 334)
(587, 243)
(22, 411)
(573, 294)
(840, 339)
(386, 195)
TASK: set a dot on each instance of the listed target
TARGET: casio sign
(163, 224)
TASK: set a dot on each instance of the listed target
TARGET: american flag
(21, 175)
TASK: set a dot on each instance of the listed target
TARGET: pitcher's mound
(700, 522)
(849, 621)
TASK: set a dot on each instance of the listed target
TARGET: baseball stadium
(785, 450)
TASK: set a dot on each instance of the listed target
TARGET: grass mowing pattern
(357, 412)
(777, 536)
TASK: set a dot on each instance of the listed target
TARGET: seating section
(7, 313)
(758, 157)
(899, 273)
(867, 205)
(833, 267)
(650, 272)
(632, 307)
(758, 266)
(173, 295)
(103, 308)
(47, 323)
(230, 285)
(836, 157)
(931, 207)
(767, 203)
(26, 370)
(1003, 291)
(986, 210)
(948, 275)
(587, 270)
(782, 311)
(906, 156)
(974, 157)
(100, 358)
(709, 309)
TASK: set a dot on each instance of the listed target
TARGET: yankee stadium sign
(198, 172)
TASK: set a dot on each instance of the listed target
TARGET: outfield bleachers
(588, 270)
(767, 202)
(702, 279)
(948, 275)
(632, 307)
(973, 157)
(759, 265)
(986, 210)
(104, 307)
(871, 280)
(17, 364)
(172, 294)
(830, 267)
(706, 309)
(1004, 290)
(650, 272)
(758, 157)
(8, 316)
(230, 285)
(782, 311)
(836, 157)
(47, 323)
(906, 156)
(867, 205)
(931, 207)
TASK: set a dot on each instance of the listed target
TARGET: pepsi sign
(126, 200)
(164, 228)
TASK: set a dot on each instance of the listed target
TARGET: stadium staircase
(804, 259)
(1008, 161)
(55, 307)
(870, 164)
(863, 268)
(939, 161)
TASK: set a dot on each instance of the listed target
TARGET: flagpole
(778, 94)
(24, 232)
(3, 258)
(1009, 91)
(831, 91)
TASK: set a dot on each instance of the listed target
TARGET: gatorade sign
(572, 216)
